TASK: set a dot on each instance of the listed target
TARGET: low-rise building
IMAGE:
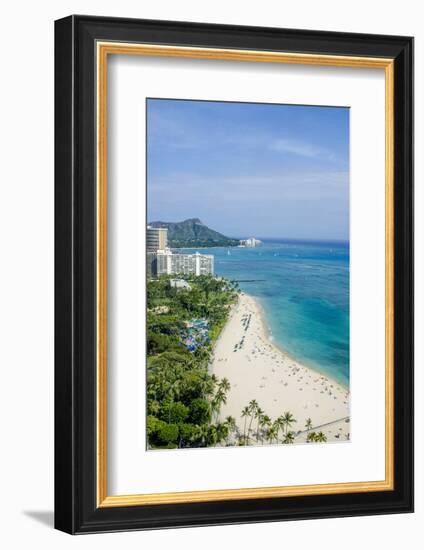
(179, 283)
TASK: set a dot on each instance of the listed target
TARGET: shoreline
(283, 350)
(257, 368)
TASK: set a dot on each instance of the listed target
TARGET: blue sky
(249, 169)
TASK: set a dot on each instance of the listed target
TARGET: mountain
(193, 233)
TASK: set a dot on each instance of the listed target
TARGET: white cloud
(310, 186)
(284, 145)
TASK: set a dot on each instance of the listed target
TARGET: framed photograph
(234, 274)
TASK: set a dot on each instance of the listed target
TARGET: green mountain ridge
(193, 233)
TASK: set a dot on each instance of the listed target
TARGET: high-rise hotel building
(161, 261)
(170, 263)
(156, 238)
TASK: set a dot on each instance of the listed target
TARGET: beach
(258, 369)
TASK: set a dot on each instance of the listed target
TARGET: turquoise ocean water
(303, 288)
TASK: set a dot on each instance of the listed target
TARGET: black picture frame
(76, 510)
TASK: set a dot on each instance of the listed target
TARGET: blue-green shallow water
(304, 290)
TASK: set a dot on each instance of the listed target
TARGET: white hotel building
(250, 243)
(161, 261)
(170, 263)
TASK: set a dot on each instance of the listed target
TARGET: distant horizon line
(308, 239)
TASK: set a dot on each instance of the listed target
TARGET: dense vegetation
(259, 427)
(183, 399)
(193, 233)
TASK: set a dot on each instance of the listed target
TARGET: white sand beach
(257, 369)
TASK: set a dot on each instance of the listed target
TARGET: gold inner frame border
(103, 50)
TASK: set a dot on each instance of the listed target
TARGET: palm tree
(224, 385)
(219, 399)
(253, 406)
(258, 414)
(202, 434)
(316, 437)
(288, 420)
(212, 435)
(244, 414)
(320, 437)
(207, 387)
(242, 440)
(214, 408)
(308, 424)
(289, 437)
(265, 422)
(230, 422)
(221, 432)
(272, 432)
(280, 423)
